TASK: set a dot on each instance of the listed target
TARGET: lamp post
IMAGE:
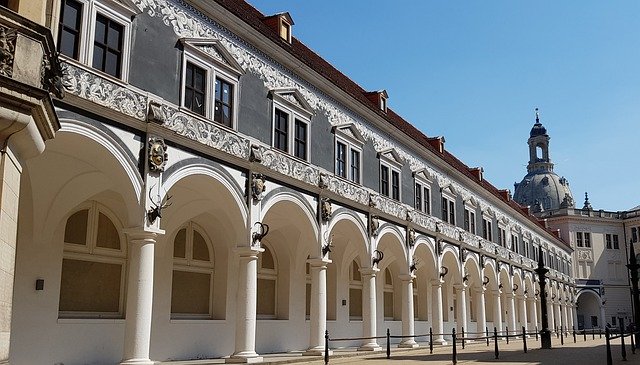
(545, 334)
(635, 294)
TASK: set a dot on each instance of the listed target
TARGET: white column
(436, 314)
(139, 312)
(572, 314)
(481, 315)
(497, 311)
(318, 305)
(551, 315)
(603, 317)
(558, 316)
(523, 313)
(246, 302)
(565, 320)
(408, 324)
(511, 316)
(534, 312)
(461, 290)
(369, 309)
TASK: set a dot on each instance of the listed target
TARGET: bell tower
(539, 148)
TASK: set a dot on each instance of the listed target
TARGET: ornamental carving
(325, 209)
(470, 239)
(584, 255)
(502, 252)
(344, 188)
(157, 154)
(411, 237)
(52, 74)
(487, 246)
(448, 230)
(425, 221)
(374, 224)
(389, 206)
(258, 186)
(191, 23)
(7, 50)
(103, 92)
(256, 154)
(286, 165)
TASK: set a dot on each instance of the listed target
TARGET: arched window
(93, 265)
(308, 291)
(388, 295)
(192, 279)
(355, 292)
(267, 284)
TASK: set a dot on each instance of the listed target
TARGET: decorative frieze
(584, 255)
(470, 239)
(389, 206)
(448, 230)
(7, 50)
(345, 189)
(103, 92)
(488, 246)
(425, 221)
(286, 165)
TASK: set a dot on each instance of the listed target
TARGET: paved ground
(591, 352)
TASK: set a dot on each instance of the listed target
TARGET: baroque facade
(212, 182)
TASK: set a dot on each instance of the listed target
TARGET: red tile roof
(254, 18)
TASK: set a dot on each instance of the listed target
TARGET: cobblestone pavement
(589, 352)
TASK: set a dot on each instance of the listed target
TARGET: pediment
(422, 174)
(126, 6)
(449, 188)
(213, 50)
(471, 201)
(293, 98)
(350, 131)
(489, 212)
(391, 155)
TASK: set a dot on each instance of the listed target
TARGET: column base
(138, 362)
(440, 341)
(408, 344)
(316, 351)
(243, 360)
(370, 347)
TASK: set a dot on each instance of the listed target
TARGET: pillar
(511, 316)
(534, 311)
(565, 320)
(139, 311)
(407, 312)
(551, 315)
(369, 309)
(497, 311)
(461, 321)
(573, 320)
(523, 313)
(10, 171)
(318, 305)
(558, 315)
(436, 314)
(481, 315)
(603, 317)
(246, 302)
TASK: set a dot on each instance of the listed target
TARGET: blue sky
(474, 71)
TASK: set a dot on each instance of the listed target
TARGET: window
(348, 160)
(612, 241)
(527, 249)
(93, 33)
(395, 184)
(515, 246)
(93, 265)
(579, 240)
(469, 220)
(608, 241)
(290, 131)
(587, 239)
(388, 295)
(616, 243)
(389, 181)
(423, 198)
(267, 284)
(448, 210)
(355, 292)
(209, 80)
(384, 180)
(635, 233)
(486, 229)
(502, 237)
(192, 280)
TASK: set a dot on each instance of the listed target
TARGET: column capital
(369, 271)
(460, 286)
(248, 251)
(407, 277)
(319, 262)
(437, 282)
(141, 234)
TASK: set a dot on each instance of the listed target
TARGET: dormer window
(379, 98)
(285, 31)
(383, 104)
(281, 24)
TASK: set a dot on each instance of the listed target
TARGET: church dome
(546, 188)
(538, 130)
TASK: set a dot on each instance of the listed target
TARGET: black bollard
(495, 341)
(624, 349)
(593, 333)
(536, 333)
(326, 347)
(561, 336)
(574, 334)
(524, 339)
(487, 335)
(455, 352)
(430, 340)
(600, 332)
(388, 344)
(463, 338)
(507, 330)
(633, 346)
(584, 333)
(606, 336)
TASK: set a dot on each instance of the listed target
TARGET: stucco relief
(206, 133)
(286, 165)
(448, 230)
(470, 239)
(584, 255)
(389, 206)
(188, 22)
(103, 92)
(346, 189)
(487, 246)
(424, 221)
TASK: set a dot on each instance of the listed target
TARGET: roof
(254, 18)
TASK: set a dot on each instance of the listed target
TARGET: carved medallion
(325, 209)
(258, 186)
(157, 154)
(374, 224)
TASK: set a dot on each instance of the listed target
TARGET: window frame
(469, 220)
(350, 146)
(214, 70)
(425, 195)
(294, 114)
(451, 203)
(90, 252)
(393, 167)
(113, 11)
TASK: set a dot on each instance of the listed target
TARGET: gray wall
(254, 113)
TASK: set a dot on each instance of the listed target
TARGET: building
(212, 181)
(599, 239)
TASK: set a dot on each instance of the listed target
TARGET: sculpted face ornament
(374, 224)
(157, 154)
(325, 209)
(258, 186)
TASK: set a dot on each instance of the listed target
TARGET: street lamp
(545, 334)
